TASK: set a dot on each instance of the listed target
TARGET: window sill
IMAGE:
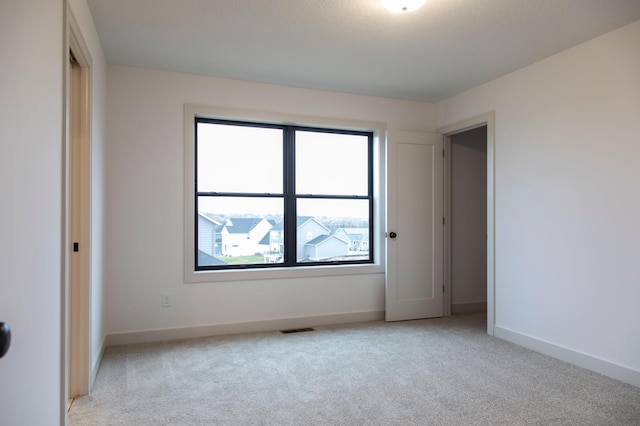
(281, 273)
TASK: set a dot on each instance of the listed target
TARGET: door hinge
(75, 247)
(443, 153)
(443, 220)
(443, 288)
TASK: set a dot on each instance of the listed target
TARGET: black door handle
(5, 339)
(392, 234)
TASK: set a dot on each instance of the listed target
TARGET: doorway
(78, 216)
(468, 221)
(469, 262)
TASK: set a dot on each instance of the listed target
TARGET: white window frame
(191, 111)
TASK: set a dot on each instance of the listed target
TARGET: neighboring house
(243, 236)
(358, 238)
(325, 247)
(206, 260)
(272, 244)
(308, 228)
(249, 236)
(209, 238)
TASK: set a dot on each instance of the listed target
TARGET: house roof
(242, 225)
(275, 226)
(210, 218)
(206, 260)
(304, 219)
(356, 231)
(323, 239)
(357, 234)
(265, 240)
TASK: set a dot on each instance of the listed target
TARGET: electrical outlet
(166, 299)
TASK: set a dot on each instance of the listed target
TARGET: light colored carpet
(429, 372)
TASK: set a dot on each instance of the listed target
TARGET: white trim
(446, 211)
(161, 335)
(189, 273)
(487, 119)
(96, 365)
(581, 359)
(64, 236)
(280, 273)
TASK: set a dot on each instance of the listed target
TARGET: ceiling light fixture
(402, 6)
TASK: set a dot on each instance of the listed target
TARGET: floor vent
(296, 330)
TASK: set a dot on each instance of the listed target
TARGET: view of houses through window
(257, 240)
(273, 195)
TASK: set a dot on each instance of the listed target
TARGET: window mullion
(372, 217)
(290, 198)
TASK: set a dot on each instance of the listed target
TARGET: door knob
(392, 234)
(5, 338)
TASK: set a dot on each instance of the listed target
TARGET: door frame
(77, 166)
(487, 119)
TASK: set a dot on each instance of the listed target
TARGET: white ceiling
(353, 46)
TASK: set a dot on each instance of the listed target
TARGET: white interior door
(415, 231)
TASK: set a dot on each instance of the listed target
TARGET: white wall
(469, 217)
(567, 200)
(84, 19)
(31, 141)
(145, 203)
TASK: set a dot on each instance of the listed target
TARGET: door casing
(77, 294)
(486, 119)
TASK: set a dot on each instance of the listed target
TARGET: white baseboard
(468, 307)
(96, 365)
(589, 362)
(161, 335)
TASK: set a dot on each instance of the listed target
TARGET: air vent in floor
(296, 330)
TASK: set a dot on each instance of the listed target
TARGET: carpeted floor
(430, 372)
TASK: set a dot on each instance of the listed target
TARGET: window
(274, 195)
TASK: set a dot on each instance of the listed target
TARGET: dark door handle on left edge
(392, 235)
(5, 339)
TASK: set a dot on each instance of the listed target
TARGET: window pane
(239, 159)
(331, 163)
(240, 231)
(332, 230)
